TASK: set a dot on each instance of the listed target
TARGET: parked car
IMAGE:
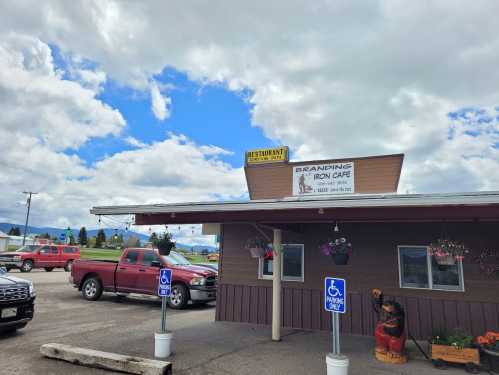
(17, 298)
(138, 271)
(41, 256)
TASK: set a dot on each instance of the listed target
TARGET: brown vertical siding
(300, 310)
(374, 263)
(377, 174)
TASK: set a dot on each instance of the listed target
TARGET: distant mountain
(55, 232)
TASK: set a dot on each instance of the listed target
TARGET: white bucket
(337, 364)
(162, 344)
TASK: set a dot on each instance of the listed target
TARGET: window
(132, 257)
(418, 269)
(54, 250)
(45, 250)
(148, 258)
(292, 264)
(70, 250)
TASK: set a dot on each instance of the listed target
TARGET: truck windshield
(176, 259)
(27, 249)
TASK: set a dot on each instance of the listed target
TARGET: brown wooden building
(299, 206)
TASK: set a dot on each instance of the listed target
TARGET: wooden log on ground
(105, 360)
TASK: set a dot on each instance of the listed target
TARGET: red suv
(46, 256)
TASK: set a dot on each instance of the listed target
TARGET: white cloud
(160, 105)
(44, 115)
(329, 79)
(135, 142)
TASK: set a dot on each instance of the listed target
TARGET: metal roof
(336, 201)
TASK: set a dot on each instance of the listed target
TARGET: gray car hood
(7, 280)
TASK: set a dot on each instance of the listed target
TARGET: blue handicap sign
(165, 282)
(62, 237)
(335, 299)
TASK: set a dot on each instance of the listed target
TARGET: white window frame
(430, 274)
(301, 279)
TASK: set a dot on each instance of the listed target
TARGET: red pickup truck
(46, 256)
(138, 271)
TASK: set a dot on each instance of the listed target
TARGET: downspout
(276, 286)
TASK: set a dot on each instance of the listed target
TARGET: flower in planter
(341, 246)
(256, 247)
(269, 252)
(444, 249)
(339, 249)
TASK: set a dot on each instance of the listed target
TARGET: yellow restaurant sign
(267, 155)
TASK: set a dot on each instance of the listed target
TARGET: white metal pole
(276, 286)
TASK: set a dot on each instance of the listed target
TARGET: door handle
(122, 268)
(142, 270)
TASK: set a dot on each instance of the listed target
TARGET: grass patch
(194, 258)
(100, 254)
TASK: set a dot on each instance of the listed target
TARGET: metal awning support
(276, 286)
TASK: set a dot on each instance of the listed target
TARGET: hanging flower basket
(256, 247)
(339, 249)
(446, 260)
(256, 252)
(447, 252)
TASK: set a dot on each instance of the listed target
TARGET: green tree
(101, 239)
(204, 252)
(82, 236)
(72, 239)
(14, 231)
(153, 239)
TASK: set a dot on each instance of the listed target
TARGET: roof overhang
(356, 207)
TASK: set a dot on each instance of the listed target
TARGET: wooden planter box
(455, 355)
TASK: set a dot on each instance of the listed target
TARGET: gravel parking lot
(110, 324)
(200, 347)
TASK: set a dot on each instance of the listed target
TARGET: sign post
(162, 347)
(335, 302)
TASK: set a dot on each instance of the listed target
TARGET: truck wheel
(27, 266)
(179, 297)
(49, 269)
(92, 289)
(68, 266)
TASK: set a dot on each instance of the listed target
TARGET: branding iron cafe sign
(336, 178)
(268, 155)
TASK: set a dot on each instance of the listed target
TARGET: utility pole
(30, 193)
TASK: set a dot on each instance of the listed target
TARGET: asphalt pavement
(201, 346)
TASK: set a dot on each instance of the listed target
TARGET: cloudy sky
(125, 102)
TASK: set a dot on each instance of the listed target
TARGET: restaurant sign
(268, 155)
(334, 178)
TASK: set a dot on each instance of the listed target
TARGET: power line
(30, 193)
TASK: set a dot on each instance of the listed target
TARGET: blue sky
(328, 81)
(206, 114)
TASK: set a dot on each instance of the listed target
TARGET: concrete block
(104, 360)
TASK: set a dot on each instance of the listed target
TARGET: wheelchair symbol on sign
(333, 291)
(164, 279)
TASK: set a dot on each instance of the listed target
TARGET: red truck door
(127, 272)
(44, 258)
(147, 281)
(56, 252)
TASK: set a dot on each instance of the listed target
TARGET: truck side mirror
(156, 263)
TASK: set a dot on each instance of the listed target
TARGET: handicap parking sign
(165, 282)
(335, 295)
